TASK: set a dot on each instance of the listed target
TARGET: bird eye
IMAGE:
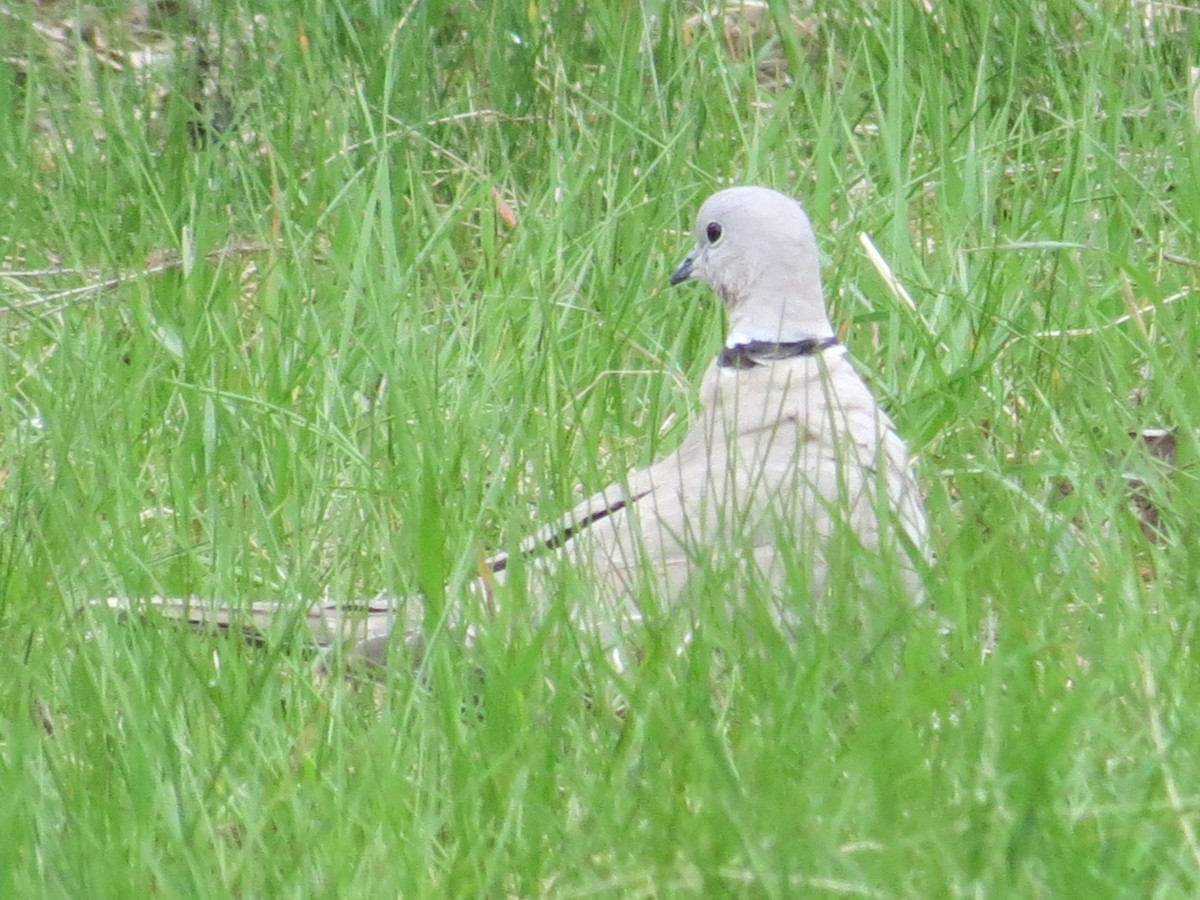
(713, 231)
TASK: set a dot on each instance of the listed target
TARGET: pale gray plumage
(790, 453)
(789, 448)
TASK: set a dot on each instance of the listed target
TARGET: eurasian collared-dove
(790, 463)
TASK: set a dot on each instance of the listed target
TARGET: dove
(790, 463)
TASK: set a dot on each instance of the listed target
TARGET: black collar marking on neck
(753, 353)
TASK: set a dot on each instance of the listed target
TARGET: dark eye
(713, 231)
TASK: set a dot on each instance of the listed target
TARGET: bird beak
(684, 272)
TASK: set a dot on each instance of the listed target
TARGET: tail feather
(360, 630)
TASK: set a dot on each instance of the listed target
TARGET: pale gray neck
(777, 322)
(782, 303)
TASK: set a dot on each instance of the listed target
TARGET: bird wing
(783, 457)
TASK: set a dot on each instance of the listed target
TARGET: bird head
(756, 248)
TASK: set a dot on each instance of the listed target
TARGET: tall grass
(396, 293)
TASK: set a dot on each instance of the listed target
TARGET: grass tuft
(298, 303)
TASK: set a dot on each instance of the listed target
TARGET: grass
(382, 378)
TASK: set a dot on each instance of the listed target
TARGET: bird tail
(361, 631)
